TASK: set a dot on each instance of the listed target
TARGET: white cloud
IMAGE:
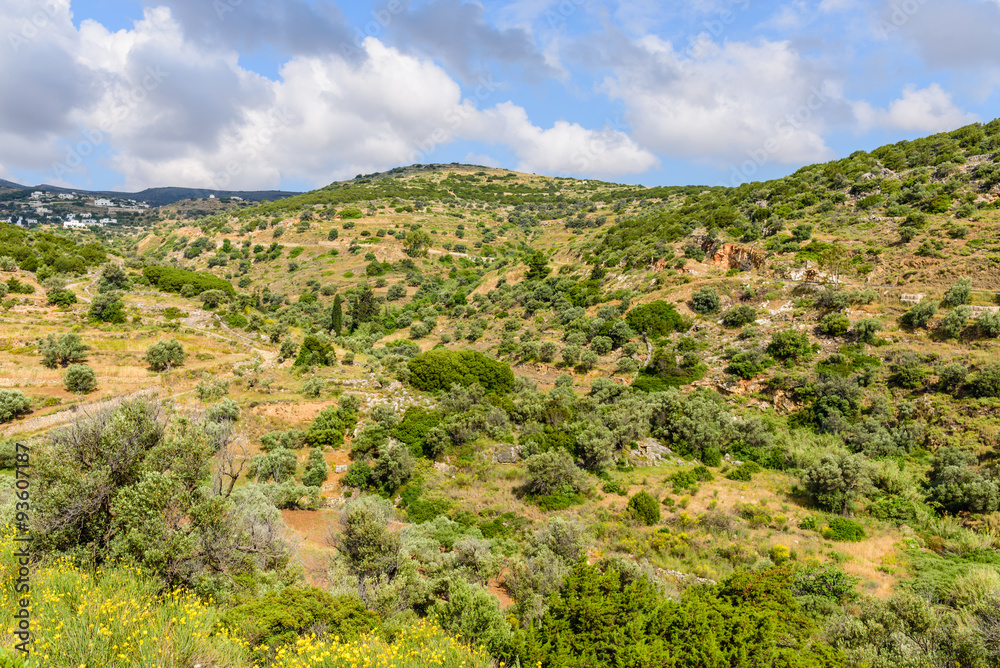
(726, 101)
(162, 107)
(565, 148)
(929, 109)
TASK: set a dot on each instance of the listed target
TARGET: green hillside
(469, 416)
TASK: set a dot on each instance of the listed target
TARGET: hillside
(503, 403)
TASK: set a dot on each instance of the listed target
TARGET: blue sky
(294, 94)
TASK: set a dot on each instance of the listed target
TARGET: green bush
(280, 618)
(80, 379)
(844, 530)
(13, 404)
(790, 345)
(655, 319)
(834, 324)
(744, 472)
(748, 364)
(644, 508)
(738, 316)
(705, 301)
(172, 279)
(439, 369)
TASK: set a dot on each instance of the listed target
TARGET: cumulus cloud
(929, 109)
(160, 105)
(562, 149)
(725, 101)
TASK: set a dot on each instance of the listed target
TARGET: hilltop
(777, 402)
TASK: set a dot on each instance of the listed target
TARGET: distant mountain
(160, 196)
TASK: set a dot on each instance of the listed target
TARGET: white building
(103, 201)
(107, 221)
(75, 224)
(36, 195)
(66, 196)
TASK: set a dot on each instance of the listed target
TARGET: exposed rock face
(911, 299)
(340, 468)
(744, 258)
(507, 454)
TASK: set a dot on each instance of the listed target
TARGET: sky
(296, 94)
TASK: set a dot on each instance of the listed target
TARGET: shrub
(13, 404)
(959, 293)
(790, 345)
(644, 508)
(986, 382)
(440, 369)
(282, 617)
(165, 355)
(172, 279)
(655, 319)
(315, 351)
(844, 530)
(313, 388)
(738, 316)
(80, 379)
(705, 301)
(919, 314)
(748, 364)
(744, 472)
(553, 473)
(317, 470)
(107, 307)
(836, 481)
(61, 297)
(834, 324)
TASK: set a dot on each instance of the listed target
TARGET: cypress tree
(337, 317)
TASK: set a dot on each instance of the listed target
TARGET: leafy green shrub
(790, 345)
(919, 314)
(738, 316)
(744, 472)
(61, 297)
(827, 581)
(350, 213)
(834, 324)
(80, 379)
(612, 486)
(958, 294)
(315, 351)
(986, 382)
(327, 430)
(644, 508)
(279, 618)
(705, 301)
(843, 529)
(748, 364)
(440, 369)
(172, 279)
(13, 404)
(655, 319)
